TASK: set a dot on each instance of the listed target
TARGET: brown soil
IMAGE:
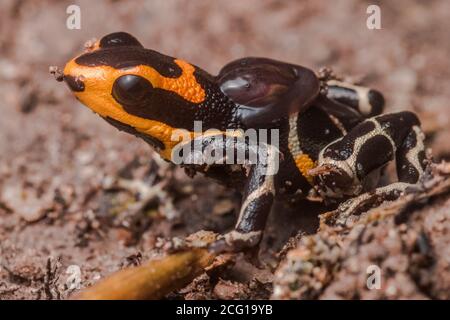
(72, 187)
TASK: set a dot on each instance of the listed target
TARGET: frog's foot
(370, 200)
(332, 181)
(352, 163)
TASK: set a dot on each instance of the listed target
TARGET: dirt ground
(71, 186)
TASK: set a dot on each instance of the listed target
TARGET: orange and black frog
(268, 128)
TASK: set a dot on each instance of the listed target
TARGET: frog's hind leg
(344, 164)
(366, 101)
(410, 163)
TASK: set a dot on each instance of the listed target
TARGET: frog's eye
(131, 90)
(119, 39)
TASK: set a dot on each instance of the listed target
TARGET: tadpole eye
(131, 90)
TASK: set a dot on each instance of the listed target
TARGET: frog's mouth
(76, 84)
(152, 141)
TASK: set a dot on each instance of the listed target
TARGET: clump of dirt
(404, 242)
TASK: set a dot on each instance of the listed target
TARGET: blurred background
(57, 158)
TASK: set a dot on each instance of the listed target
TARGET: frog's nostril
(75, 83)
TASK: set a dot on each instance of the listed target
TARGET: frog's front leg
(262, 162)
(345, 165)
(257, 201)
(258, 197)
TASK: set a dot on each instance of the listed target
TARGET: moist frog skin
(333, 138)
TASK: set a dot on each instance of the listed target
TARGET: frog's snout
(75, 84)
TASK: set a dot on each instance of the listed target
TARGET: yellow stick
(152, 280)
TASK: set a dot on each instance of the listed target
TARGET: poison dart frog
(333, 140)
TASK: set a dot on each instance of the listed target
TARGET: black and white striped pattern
(344, 164)
(366, 101)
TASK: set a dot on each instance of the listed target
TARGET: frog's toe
(332, 181)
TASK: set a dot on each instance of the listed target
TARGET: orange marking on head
(99, 81)
(186, 85)
(304, 163)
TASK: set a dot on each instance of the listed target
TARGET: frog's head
(137, 90)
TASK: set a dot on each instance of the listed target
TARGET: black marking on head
(139, 98)
(373, 154)
(343, 149)
(119, 39)
(168, 107)
(154, 142)
(75, 83)
(121, 57)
